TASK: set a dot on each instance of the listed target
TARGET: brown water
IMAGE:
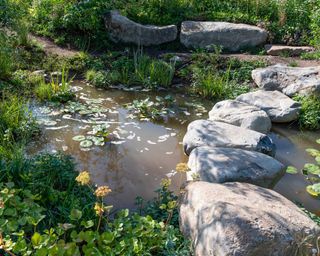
(145, 152)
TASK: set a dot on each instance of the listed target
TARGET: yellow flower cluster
(165, 182)
(182, 167)
(102, 191)
(83, 178)
(98, 208)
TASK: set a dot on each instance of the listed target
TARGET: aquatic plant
(311, 172)
(151, 72)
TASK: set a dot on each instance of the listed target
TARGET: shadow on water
(151, 150)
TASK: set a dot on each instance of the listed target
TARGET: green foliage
(26, 228)
(309, 117)
(17, 125)
(6, 59)
(51, 178)
(98, 78)
(311, 172)
(151, 72)
(315, 25)
(81, 22)
(56, 90)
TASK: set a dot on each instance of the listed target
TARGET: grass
(6, 57)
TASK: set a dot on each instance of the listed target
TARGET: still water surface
(145, 152)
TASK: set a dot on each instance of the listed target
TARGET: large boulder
(289, 80)
(241, 114)
(285, 50)
(121, 29)
(220, 165)
(240, 219)
(218, 134)
(231, 36)
(279, 107)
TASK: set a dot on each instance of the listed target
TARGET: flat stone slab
(279, 107)
(285, 50)
(220, 165)
(241, 114)
(218, 134)
(231, 36)
(244, 220)
(289, 80)
(122, 29)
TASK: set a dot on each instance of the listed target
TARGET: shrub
(309, 117)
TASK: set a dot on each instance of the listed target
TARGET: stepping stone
(285, 50)
(289, 80)
(241, 114)
(232, 37)
(121, 29)
(244, 220)
(220, 165)
(217, 134)
(279, 107)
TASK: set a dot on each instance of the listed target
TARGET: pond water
(139, 152)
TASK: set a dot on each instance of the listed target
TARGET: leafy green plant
(309, 117)
(311, 172)
(56, 90)
(151, 72)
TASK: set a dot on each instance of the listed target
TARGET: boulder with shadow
(122, 29)
(218, 134)
(288, 80)
(279, 107)
(220, 165)
(241, 114)
(244, 220)
(231, 36)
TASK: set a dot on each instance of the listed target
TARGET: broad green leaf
(36, 239)
(292, 170)
(75, 214)
(312, 169)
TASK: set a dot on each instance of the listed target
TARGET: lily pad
(314, 189)
(86, 143)
(292, 170)
(79, 138)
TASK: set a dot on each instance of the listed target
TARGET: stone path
(244, 219)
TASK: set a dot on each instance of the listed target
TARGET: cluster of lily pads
(97, 136)
(311, 172)
(162, 107)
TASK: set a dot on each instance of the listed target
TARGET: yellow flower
(83, 178)
(98, 209)
(165, 183)
(102, 191)
(182, 167)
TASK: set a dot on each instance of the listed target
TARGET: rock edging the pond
(243, 219)
(288, 80)
(218, 134)
(241, 114)
(220, 165)
(225, 217)
(121, 29)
